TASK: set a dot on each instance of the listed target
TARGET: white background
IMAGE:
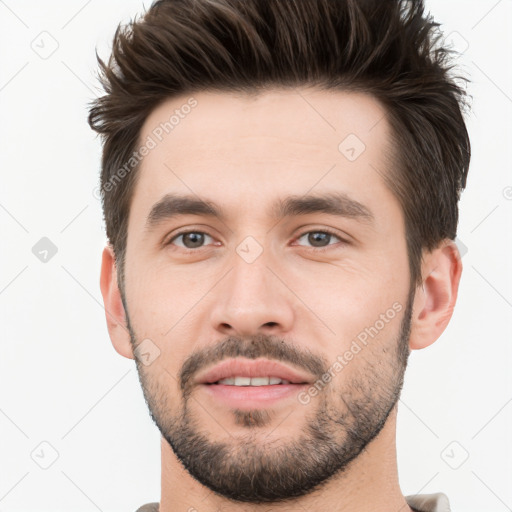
(62, 382)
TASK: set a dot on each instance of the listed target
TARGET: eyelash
(318, 249)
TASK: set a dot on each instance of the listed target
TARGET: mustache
(260, 345)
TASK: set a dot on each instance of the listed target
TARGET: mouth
(252, 381)
(253, 372)
(245, 383)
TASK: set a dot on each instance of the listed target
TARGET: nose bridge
(252, 298)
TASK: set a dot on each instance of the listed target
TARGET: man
(280, 181)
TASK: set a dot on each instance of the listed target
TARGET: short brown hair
(387, 48)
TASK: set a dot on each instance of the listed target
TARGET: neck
(369, 484)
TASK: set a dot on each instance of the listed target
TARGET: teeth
(254, 381)
(229, 381)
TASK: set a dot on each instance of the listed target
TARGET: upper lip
(252, 368)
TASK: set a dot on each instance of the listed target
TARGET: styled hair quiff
(389, 49)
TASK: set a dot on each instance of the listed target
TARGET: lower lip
(246, 397)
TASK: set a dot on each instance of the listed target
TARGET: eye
(194, 240)
(190, 239)
(319, 239)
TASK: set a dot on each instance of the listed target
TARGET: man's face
(325, 293)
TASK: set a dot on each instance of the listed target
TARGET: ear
(114, 309)
(435, 299)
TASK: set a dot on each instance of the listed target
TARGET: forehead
(211, 119)
(239, 147)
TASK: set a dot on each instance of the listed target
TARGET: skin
(243, 152)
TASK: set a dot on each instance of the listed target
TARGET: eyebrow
(338, 204)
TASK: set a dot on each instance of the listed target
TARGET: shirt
(437, 502)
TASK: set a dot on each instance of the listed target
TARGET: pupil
(318, 236)
(196, 238)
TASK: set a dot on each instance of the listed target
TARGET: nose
(252, 299)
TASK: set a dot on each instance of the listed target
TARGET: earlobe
(435, 300)
(114, 308)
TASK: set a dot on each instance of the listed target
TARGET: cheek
(163, 310)
(353, 292)
(361, 305)
(158, 296)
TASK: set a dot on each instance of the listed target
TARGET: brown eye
(320, 239)
(190, 239)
